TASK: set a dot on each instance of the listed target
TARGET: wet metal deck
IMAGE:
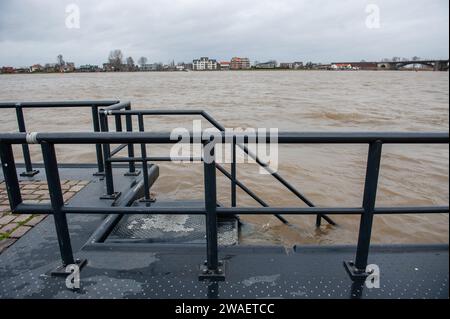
(148, 270)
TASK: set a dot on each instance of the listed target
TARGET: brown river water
(289, 101)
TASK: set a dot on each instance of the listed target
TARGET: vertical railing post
(10, 175)
(212, 270)
(358, 268)
(57, 202)
(118, 122)
(110, 194)
(318, 220)
(129, 126)
(233, 173)
(144, 161)
(25, 149)
(98, 147)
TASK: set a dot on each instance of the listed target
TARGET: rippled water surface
(290, 101)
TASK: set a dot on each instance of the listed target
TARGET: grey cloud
(33, 31)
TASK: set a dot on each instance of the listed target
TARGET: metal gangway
(120, 204)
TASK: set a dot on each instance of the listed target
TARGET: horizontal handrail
(57, 104)
(221, 137)
(156, 112)
(117, 106)
(25, 208)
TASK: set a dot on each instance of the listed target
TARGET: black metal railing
(20, 106)
(210, 209)
(235, 182)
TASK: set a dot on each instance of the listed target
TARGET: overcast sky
(35, 31)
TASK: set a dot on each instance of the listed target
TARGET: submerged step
(188, 229)
(175, 229)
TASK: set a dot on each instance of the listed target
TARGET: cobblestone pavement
(13, 226)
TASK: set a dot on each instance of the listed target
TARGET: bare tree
(142, 60)
(130, 64)
(116, 60)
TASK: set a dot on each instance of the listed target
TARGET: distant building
(107, 67)
(266, 65)
(239, 63)
(36, 68)
(286, 65)
(224, 65)
(68, 67)
(204, 63)
(51, 67)
(321, 66)
(151, 67)
(356, 65)
(179, 67)
(22, 70)
(291, 65)
(7, 70)
(88, 68)
(341, 66)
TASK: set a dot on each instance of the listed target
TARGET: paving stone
(65, 187)
(76, 188)
(8, 228)
(4, 208)
(27, 191)
(31, 196)
(30, 186)
(35, 220)
(20, 231)
(40, 192)
(5, 243)
(6, 219)
(22, 218)
(68, 195)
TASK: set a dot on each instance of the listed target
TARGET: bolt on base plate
(212, 275)
(99, 174)
(30, 173)
(135, 173)
(355, 273)
(61, 270)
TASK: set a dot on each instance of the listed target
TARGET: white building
(204, 63)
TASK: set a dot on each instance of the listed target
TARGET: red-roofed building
(224, 65)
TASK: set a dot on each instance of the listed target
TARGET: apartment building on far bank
(204, 63)
(240, 63)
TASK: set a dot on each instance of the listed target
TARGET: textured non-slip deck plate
(129, 270)
(175, 229)
(157, 271)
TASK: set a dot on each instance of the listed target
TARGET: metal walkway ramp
(187, 229)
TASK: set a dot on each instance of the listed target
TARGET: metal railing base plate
(136, 173)
(30, 173)
(355, 273)
(61, 270)
(212, 275)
